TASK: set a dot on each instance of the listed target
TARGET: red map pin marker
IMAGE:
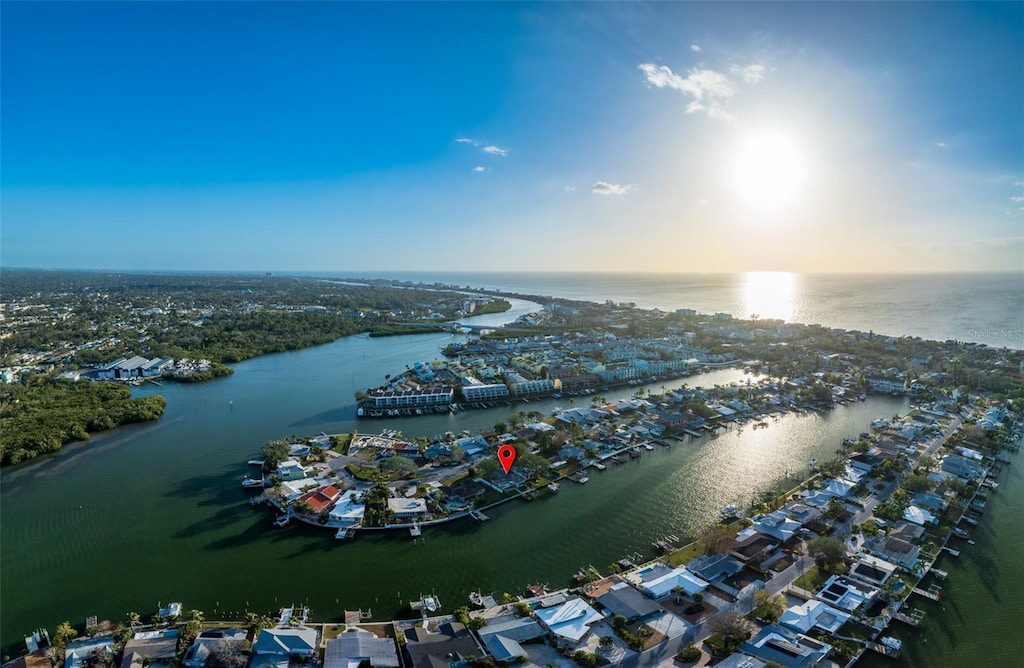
(506, 455)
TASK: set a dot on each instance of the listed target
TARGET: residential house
(407, 508)
(449, 645)
(624, 600)
(210, 643)
(813, 614)
(360, 649)
(150, 648)
(714, 567)
(777, 525)
(569, 622)
(886, 385)
(660, 580)
(872, 570)
(846, 593)
(776, 643)
(321, 499)
(79, 653)
(502, 637)
(286, 642)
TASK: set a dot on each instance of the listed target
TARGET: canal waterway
(153, 513)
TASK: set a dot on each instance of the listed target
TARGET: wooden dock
(912, 620)
(932, 592)
(951, 551)
(941, 574)
(478, 516)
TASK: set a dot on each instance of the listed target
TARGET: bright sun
(768, 171)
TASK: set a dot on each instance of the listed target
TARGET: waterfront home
(290, 469)
(277, 644)
(624, 600)
(450, 644)
(752, 546)
(800, 512)
(836, 487)
(293, 489)
(846, 593)
(199, 652)
(896, 550)
(80, 653)
(872, 570)
(777, 525)
(917, 515)
(740, 660)
(864, 462)
(150, 648)
(322, 498)
(813, 614)
(785, 647)
(473, 445)
(964, 469)
(407, 508)
(660, 580)
(817, 498)
(714, 567)
(569, 622)
(502, 637)
(360, 648)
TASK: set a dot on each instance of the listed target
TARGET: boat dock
(932, 592)
(478, 516)
(913, 619)
(942, 575)
(955, 553)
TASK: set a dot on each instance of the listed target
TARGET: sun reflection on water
(768, 294)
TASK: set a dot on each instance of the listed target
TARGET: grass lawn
(686, 554)
(812, 579)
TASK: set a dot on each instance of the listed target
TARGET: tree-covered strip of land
(45, 415)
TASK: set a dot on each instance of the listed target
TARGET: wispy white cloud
(695, 48)
(495, 150)
(703, 201)
(467, 140)
(751, 74)
(605, 188)
(1017, 199)
(708, 88)
(1019, 184)
(569, 189)
(940, 144)
(479, 168)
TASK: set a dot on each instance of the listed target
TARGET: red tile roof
(321, 498)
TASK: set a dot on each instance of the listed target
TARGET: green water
(154, 513)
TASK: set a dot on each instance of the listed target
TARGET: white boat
(282, 520)
(893, 643)
(252, 482)
(255, 462)
(599, 466)
(730, 510)
(172, 610)
(415, 530)
(342, 533)
(553, 486)
(648, 446)
(431, 603)
(863, 397)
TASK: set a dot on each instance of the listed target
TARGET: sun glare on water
(768, 171)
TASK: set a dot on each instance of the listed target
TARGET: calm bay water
(155, 512)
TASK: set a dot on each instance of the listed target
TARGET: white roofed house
(569, 622)
(407, 508)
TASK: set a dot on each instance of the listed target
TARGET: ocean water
(984, 308)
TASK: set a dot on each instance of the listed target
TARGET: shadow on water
(217, 490)
(342, 414)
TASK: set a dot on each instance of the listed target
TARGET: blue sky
(505, 136)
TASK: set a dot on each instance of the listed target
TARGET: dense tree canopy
(43, 416)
